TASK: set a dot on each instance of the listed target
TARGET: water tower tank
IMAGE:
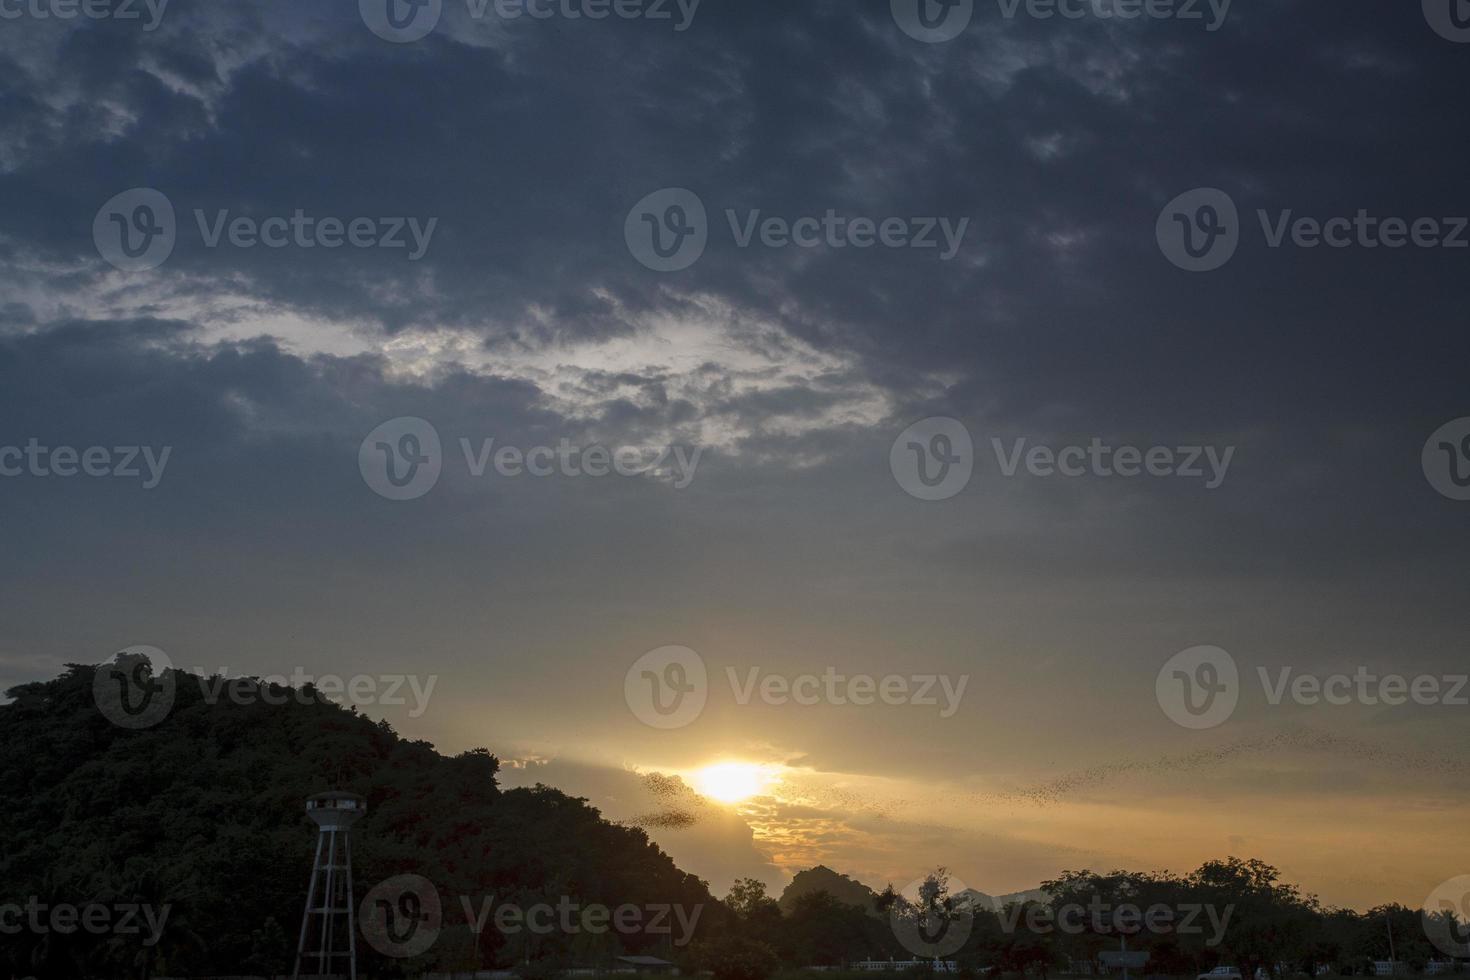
(336, 810)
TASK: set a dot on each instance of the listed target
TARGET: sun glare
(731, 782)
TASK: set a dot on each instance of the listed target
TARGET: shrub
(732, 958)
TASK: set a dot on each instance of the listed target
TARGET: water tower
(329, 896)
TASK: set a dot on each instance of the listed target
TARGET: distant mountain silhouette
(997, 902)
(850, 891)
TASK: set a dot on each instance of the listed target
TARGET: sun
(732, 782)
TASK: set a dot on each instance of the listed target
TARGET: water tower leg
(329, 907)
(351, 912)
(316, 863)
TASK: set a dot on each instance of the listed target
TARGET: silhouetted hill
(822, 878)
(997, 902)
(204, 813)
(850, 891)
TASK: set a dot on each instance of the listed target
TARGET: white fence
(898, 966)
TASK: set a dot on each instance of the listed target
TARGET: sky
(327, 285)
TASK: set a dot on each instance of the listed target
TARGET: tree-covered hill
(821, 878)
(203, 812)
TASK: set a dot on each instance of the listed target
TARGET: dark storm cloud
(1058, 140)
(531, 152)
